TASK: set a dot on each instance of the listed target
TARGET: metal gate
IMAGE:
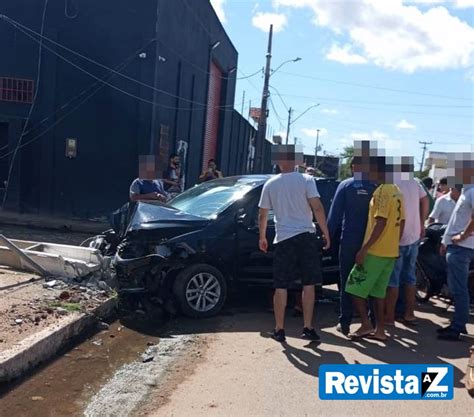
(212, 115)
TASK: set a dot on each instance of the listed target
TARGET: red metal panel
(16, 90)
(212, 114)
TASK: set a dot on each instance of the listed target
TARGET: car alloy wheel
(203, 292)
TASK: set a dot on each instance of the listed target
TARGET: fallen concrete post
(57, 260)
(24, 257)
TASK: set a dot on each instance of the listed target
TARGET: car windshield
(211, 198)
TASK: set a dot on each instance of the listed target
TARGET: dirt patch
(29, 304)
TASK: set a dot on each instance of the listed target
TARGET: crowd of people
(379, 217)
(147, 187)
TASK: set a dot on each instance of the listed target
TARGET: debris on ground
(98, 342)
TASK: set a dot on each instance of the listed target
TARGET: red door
(212, 115)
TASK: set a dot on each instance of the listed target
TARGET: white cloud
(463, 4)
(219, 9)
(313, 132)
(403, 124)
(459, 4)
(263, 21)
(396, 35)
(344, 55)
(329, 111)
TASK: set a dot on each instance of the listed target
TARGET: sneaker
(310, 334)
(449, 334)
(345, 330)
(279, 335)
(443, 329)
(449, 328)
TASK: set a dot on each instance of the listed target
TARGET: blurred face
(455, 194)
(212, 165)
(147, 170)
(443, 188)
(175, 160)
(286, 157)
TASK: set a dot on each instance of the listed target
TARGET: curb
(42, 346)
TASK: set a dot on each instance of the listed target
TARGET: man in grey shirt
(294, 199)
(458, 245)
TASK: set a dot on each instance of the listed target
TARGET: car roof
(259, 179)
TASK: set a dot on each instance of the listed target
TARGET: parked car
(204, 241)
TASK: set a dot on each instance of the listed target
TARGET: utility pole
(262, 121)
(316, 149)
(243, 101)
(290, 110)
(425, 144)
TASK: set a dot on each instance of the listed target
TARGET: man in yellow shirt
(376, 258)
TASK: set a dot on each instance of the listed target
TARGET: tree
(346, 156)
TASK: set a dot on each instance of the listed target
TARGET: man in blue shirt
(348, 219)
(146, 186)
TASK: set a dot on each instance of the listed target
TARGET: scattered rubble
(98, 342)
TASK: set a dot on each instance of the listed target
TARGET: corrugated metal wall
(212, 115)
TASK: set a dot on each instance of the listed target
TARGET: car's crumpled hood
(149, 216)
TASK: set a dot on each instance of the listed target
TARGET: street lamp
(285, 62)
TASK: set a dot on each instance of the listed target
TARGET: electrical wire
(64, 106)
(30, 112)
(260, 71)
(375, 87)
(280, 97)
(58, 121)
(24, 29)
(377, 103)
(275, 111)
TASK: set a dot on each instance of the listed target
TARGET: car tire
(200, 291)
(423, 286)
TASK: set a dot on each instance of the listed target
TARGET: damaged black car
(190, 252)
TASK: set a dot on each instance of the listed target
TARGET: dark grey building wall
(112, 128)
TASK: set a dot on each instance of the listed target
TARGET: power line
(375, 87)
(119, 67)
(378, 103)
(25, 30)
(83, 100)
(30, 112)
(281, 98)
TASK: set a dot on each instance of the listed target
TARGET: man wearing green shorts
(376, 259)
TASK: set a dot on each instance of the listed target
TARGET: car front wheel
(200, 291)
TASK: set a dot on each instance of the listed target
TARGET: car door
(253, 265)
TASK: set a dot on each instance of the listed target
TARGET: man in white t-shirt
(294, 198)
(416, 205)
(458, 245)
(444, 207)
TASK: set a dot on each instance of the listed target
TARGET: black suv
(203, 241)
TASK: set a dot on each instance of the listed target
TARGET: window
(16, 90)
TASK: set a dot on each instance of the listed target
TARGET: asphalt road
(244, 373)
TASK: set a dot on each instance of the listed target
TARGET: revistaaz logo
(386, 382)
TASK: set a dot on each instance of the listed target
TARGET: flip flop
(373, 337)
(355, 336)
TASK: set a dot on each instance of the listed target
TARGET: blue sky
(392, 70)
